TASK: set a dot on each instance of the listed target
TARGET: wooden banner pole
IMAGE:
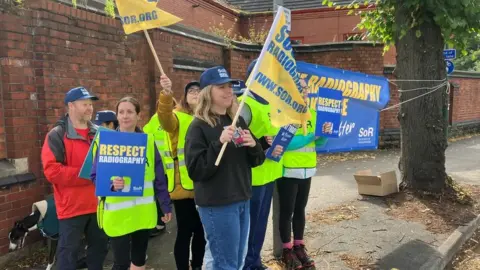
(153, 51)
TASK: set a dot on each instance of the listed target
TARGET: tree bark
(422, 122)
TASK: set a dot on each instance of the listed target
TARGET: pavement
(374, 235)
(394, 243)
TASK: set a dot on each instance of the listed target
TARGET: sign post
(449, 66)
(449, 55)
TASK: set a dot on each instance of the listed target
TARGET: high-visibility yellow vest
(184, 120)
(153, 127)
(119, 216)
(260, 126)
(305, 157)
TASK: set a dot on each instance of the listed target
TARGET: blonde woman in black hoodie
(222, 192)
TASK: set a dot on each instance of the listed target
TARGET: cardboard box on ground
(377, 185)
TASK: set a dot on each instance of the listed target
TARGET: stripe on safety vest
(148, 184)
(129, 204)
(304, 150)
(171, 165)
(169, 153)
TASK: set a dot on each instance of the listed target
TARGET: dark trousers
(130, 248)
(71, 231)
(293, 198)
(259, 211)
(189, 228)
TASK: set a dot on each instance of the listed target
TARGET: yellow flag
(275, 77)
(139, 15)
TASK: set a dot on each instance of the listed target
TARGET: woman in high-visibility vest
(299, 165)
(169, 127)
(128, 220)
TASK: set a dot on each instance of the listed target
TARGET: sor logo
(365, 132)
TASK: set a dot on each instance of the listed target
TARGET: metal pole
(277, 241)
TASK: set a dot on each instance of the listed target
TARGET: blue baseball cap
(215, 76)
(78, 93)
(105, 116)
(239, 87)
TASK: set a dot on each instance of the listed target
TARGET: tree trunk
(422, 122)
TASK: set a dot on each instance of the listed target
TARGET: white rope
(419, 96)
(421, 88)
(394, 80)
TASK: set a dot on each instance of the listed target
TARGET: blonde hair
(203, 110)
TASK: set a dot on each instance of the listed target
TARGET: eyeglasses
(193, 91)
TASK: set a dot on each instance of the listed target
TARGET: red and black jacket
(63, 154)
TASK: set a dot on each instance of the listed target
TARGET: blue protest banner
(363, 96)
(283, 138)
(121, 154)
(87, 163)
(329, 112)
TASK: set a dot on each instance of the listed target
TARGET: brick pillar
(19, 120)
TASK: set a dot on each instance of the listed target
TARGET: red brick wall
(46, 51)
(169, 46)
(388, 118)
(466, 100)
(366, 59)
(206, 15)
(238, 62)
(312, 26)
(3, 145)
(330, 25)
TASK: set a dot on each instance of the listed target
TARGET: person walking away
(300, 164)
(174, 122)
(222, 192)
(256, 113)
(63, 153)
(128, 220)
(106, 119)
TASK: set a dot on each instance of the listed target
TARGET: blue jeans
(259, 211)
(226, 230)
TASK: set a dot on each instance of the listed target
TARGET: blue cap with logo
(105, 116)
(78, 93)
(239, 87)
(215, 76)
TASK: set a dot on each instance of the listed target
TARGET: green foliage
(470, 62)
(254, 35)
(110, 8)
(459, 20)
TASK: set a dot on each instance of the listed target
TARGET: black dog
(20, 230)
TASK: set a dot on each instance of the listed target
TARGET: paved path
(404, 243)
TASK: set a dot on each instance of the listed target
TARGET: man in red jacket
(63, 154)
